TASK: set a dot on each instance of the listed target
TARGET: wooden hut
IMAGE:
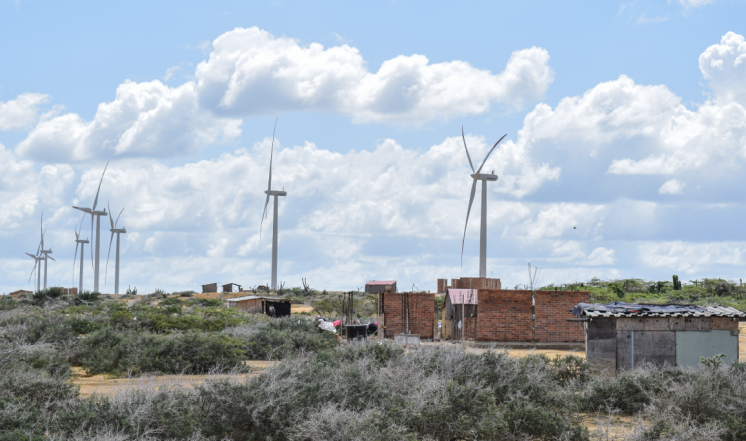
(274, 306)
(210, 287)
(228, 287)
(460, 314)
(620, 336)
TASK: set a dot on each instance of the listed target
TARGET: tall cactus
(676, 283)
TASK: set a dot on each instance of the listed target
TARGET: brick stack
(469, 283)
(553, 308)
(421, 314)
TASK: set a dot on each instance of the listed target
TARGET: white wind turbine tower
(274, 193)
(81, 242)
(477, 176)
(114, 230)
(97, 215)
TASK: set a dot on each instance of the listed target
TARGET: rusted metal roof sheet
(381, 282)
(622, 309)
(463, 296)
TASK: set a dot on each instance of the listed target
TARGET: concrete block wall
(421, 314)
(553, 308)
(504, 315)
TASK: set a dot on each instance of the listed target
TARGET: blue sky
(625, 120)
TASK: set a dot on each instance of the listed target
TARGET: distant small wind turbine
(114, 230)
(477, 176)
(274, 193)
(37, 259)
(97, 215)
(41, 250)
(81, 242)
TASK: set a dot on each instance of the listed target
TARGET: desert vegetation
(321, 389)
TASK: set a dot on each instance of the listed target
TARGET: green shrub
(7, 303)
(82, 326)
(280, 338)
(116, 352)
(87, 297)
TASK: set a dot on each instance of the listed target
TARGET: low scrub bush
(116, 352)
(280, 338)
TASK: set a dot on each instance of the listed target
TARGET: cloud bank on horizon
(619, 173)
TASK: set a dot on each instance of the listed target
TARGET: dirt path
(104, 385)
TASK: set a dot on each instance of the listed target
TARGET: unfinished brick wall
(553, 308)
(421, 314)
(504, 315)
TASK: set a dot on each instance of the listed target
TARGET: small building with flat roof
(274, 306)
(380, 286)
(620, 336)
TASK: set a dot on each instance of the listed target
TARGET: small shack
(274, 306)
(228, 287)
(620, 336)
(380, 286)
(20, 292)
(460, 314)
(210, 287)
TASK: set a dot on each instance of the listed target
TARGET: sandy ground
(299, 309)
(103, 385)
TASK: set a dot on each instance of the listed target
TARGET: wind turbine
(97, 215)
(37, 259)
(477, 176)
(81, 242)
(117, 231)
(41, 250)
(274, 193)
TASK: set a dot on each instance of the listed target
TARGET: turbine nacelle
(275, 193)
(81, 241)
(484, 177)
(118, 230)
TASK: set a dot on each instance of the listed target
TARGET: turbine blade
(117, 221)
(41, 227)
(271, 154)
(264, 216)
(32, 271)
(468, 210)
(52, 258)
(95, 201)
(107, 257)
(467, 150)
(490, 152)
(111, 221)
(31, 255)
(74, 259)
(269, 183)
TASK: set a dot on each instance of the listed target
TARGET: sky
(624, 152)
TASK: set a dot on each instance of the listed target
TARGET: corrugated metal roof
(238, 299)
(381, 282)
(622, 309)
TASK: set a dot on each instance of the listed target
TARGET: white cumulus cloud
(144, 120)
(21, 112)
(724, 65)
(672, 186)
(252, 72)
(691, 257)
